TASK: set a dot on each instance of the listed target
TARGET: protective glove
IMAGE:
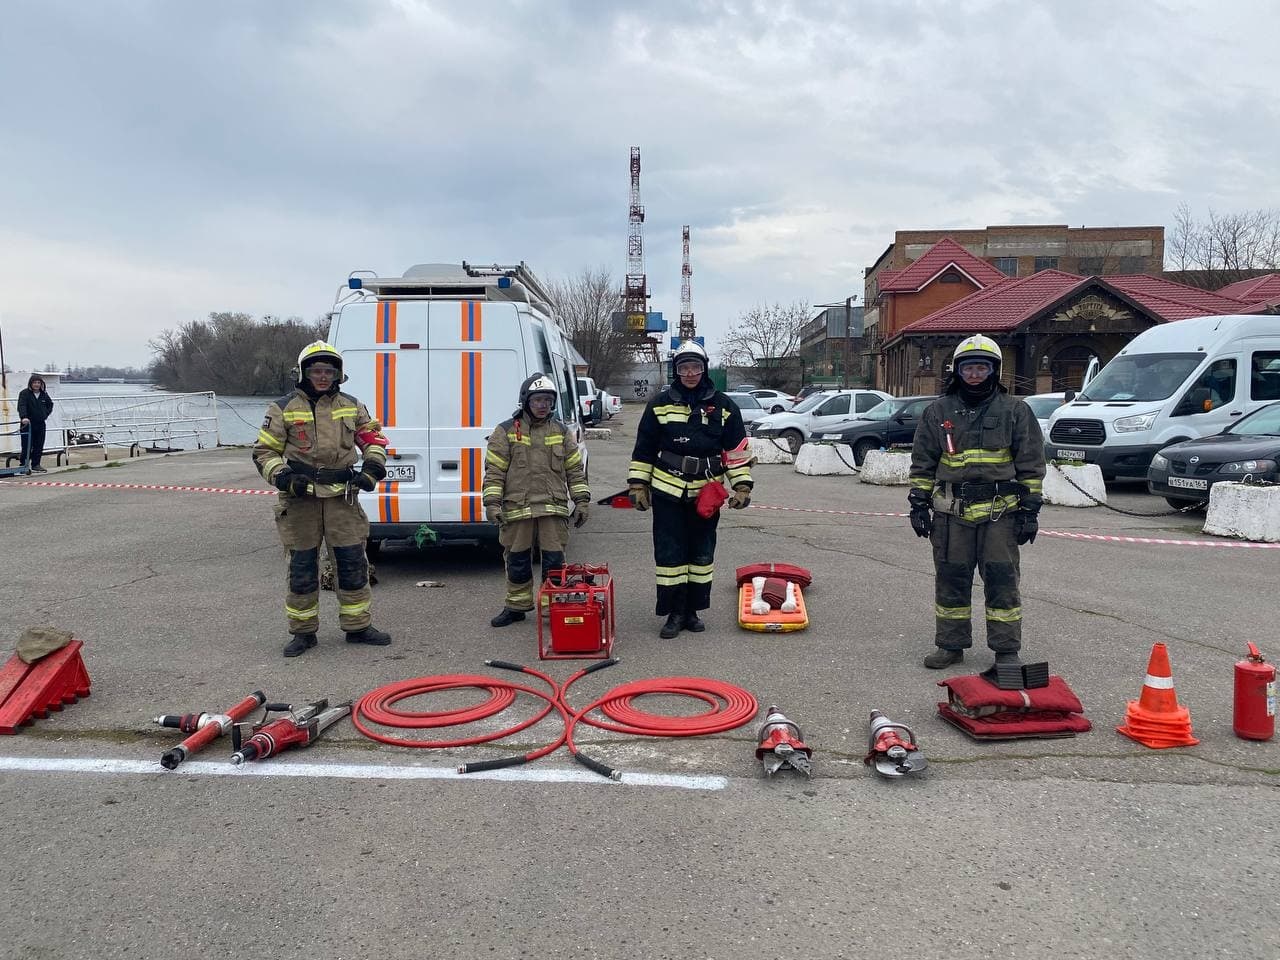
(921, 512)
(294, 484)
(639, 494)
(370, 474)
(1026, 524)
(740, 497)
(583, 509)
(493, 513)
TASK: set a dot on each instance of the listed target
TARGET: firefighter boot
(942, 657)
(299, 644)
(671, 628)
(370, 635)
(506, 617)
(693, 623)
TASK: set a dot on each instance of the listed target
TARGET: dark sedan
(889, 422)
(1182, 473)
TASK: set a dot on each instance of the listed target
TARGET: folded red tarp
(985, 712)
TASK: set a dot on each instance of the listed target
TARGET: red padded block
(11, 675)
(53, 680)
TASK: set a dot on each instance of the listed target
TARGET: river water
(238, 417)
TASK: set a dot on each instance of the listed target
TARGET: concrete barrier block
(1245, 511)
(886, 467)
(599, 433)
(825, 459)
(1059, 491)
(769, 450)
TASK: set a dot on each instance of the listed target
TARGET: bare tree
(764, 338)
(1227, 247)
(232, 353)
(586, 304)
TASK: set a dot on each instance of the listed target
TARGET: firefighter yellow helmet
(977, 347)
(319, 350)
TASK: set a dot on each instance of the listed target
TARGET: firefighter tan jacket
(998, 440)
(329, 434)
(532, 469)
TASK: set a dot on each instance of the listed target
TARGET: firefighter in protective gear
(532, 469)
(977, 471)
(690, 435)
(308, 448)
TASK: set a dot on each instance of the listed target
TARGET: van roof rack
(492, 282)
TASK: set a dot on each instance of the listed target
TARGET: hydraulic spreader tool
(782, 745)
(300, 728)
(891, 748)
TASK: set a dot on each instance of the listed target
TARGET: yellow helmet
(977, 347)
(319, 350)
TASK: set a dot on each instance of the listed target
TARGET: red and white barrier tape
(1065, 534)
(168, 487)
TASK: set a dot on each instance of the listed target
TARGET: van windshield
(1144, 376)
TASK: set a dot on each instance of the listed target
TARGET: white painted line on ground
(349, 771)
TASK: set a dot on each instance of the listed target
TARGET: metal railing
(145, 423)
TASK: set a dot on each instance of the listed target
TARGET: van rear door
(475, 364)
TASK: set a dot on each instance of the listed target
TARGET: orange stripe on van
(385, 331)
(470, 510)
(472, 312)
(384, 388)
(472, 386)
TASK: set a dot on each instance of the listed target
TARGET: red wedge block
(54, 680)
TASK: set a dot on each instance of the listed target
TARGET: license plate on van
(1190, 483)
(403, 472)
(1070, 454)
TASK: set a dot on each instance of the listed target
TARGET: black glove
(369, 476)
(921, 512)
(1026, 524)
(292, 483)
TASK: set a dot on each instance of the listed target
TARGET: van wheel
(372, 548)
(795, 439)
(862, 449)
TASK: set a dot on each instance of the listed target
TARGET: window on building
(949, 277)
(1046, 263)
(1006, 265)
(1091, 266)
(1131, 264)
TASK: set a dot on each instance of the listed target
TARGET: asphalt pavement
(1083, 847)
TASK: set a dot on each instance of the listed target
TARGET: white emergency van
(438, 356)
(1176, 381)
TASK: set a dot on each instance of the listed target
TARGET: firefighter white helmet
(977, 347)
(538, 383)
(690, 350)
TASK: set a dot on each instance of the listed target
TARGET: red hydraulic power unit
(578, 599)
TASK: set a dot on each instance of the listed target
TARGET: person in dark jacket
(690, 435)
(34, 407)
(977, 471)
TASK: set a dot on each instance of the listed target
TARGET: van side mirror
(1071, 395)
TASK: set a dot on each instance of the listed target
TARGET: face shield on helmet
(689, 358)
(317, 359)
(975, 367)
(541, 389)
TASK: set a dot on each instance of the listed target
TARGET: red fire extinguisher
(1255, 706)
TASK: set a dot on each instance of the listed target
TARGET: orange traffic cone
(1156, 719)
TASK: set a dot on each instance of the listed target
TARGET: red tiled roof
(1008, 305)
(943, 254)
(1254, 289)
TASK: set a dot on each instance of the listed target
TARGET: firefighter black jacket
(698, 425)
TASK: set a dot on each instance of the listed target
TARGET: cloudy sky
(162, 160)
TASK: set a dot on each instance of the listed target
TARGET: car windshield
(1260, 423)
(883, 410)
(1144, 376)
(809, 402)
(1043, 406)
(745, 401)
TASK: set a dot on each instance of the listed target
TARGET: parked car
(611, 404)
(589, 399)
(1043, 405)
(1184, 472)
(888, 422)
(748, 406)
(816, 414)
(745, 388)
(809, 390)
(774, 401)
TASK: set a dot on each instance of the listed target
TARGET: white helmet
(538, 383)
(977, 347)
(690, 350)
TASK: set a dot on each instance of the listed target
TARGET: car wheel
(862, 448)
(795, 439)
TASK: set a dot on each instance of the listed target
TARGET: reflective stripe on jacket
(701, 426)
(533, 469)
(320, 434)
(999, 440)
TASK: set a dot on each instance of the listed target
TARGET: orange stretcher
(775, 621)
